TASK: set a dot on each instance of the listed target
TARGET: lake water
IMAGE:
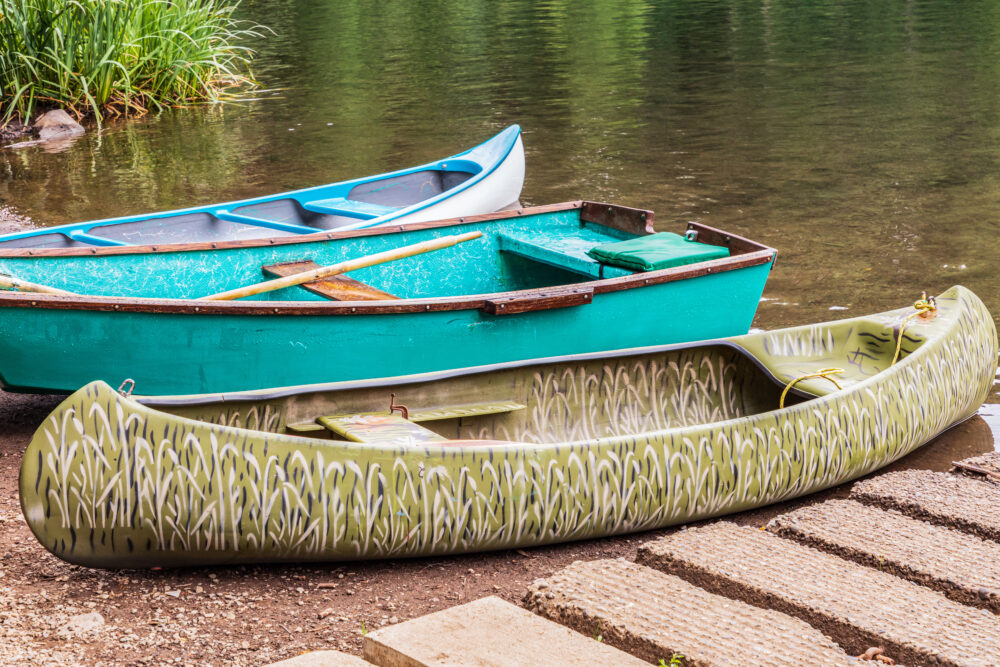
(858, 138)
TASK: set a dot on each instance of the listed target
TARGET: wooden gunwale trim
(438, 304)
(738, 245)
(289, 240)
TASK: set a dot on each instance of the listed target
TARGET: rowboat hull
(452, 314)
(603, 445)
(483, 179)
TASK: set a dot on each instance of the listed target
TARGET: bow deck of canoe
(552, 450)
(528, 287)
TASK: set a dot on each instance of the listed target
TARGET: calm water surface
(860, 139)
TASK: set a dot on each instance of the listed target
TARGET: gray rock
(82, 623)
(56, 124)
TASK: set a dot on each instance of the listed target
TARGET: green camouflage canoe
(504, 456)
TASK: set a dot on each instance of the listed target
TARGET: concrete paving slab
(962, 566)
(486, 633)
(956, 501)
(859, 607)
(989, 463)
(654, 616)
(323, 659)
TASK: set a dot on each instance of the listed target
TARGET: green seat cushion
(656, 251)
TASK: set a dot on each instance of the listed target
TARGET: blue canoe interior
(355, 204)
(519, 250)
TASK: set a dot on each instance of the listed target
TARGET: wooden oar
(17, 285)
(342, 267)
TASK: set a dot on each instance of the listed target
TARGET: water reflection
(857, 138)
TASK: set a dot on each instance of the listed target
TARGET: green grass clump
(118, 57)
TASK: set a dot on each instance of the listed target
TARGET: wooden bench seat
(312, 428)
(336, 288)
(378, 427)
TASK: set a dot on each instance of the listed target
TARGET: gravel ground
(53, 613)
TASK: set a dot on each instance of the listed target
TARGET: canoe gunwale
(745, 253)
(277, 393)
(930, 348)
(486, 169)
(323, 235)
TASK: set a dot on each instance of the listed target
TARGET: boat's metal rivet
(427, 307)
(502, 305)
(271, 240)
(461, 219)
(34, 303)
(354, 310)
(519, 211)
(329, 236)
(609, 209)
(215, 245)
(31, 252)
(277, 310)
(643, 216)
(117, 306)
(93, 251)
(196, 309)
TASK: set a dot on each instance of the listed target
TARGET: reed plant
(118, 57)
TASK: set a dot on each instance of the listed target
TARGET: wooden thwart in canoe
(336, 288)
(343, 267)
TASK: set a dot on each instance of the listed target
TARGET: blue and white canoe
(483, 179)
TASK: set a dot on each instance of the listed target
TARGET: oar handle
(18, 285)
(343, 267)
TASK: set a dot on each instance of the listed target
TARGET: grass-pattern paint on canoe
(112, 483)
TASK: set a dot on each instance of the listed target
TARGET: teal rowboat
(526, 288)
(499, 457)
(483, 179)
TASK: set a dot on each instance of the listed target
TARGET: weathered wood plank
(337, 288)
(374, 427)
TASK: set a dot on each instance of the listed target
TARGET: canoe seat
(568, 252)
(378, 428)
(467, 410)
(336, 288)
(349, 207)
(429, 414)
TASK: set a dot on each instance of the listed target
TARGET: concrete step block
(487, 632)
(859, 607)
(655, 616)
(956, 501)
(961, 566)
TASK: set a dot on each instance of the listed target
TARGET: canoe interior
(561, 401)
(585, 397)
(364, 202)
(250, 221)
(517, 252)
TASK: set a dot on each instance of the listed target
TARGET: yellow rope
(824, 373)
(923, 306)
